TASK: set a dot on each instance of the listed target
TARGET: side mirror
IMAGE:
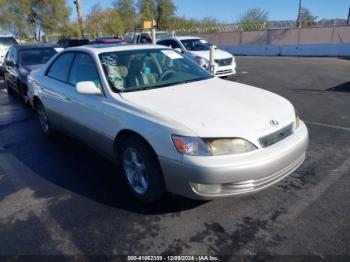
(178, 50)
(10, 63)
(87, 88)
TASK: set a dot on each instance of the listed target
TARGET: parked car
(73, 42)
(198, 49)
(144, 37)
(5, 43)
(20, 61)
(168, 123)
(108, 40)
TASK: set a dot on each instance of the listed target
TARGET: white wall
(335, 50)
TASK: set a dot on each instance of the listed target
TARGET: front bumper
(237, 174)
(222, 71)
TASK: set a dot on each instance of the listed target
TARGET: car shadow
(345, 87)
(73, 166)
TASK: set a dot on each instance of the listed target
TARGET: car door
(12, 69)
(6, 64)
(88, 112)
(55, 91)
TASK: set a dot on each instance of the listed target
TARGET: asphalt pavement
(58, 196)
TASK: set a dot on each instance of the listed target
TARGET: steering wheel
(166, 75)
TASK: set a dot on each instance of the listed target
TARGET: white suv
(198, 50)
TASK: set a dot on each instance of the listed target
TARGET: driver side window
(84, 69)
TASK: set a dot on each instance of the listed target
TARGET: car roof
(34, 46)
(7, 36)
(185, 37)
(98, 49)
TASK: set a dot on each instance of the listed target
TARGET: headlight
(230, 146)
(191, 146)
(202, 62)
(212, 147)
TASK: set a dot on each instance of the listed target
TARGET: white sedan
(168, 124)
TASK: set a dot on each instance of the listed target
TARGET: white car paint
(212, 108)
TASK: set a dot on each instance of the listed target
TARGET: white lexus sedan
(168, 124)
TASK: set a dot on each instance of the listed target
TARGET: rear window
(8, 41)
(79, 42)
(36, 56)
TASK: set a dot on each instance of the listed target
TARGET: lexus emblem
(274, 123)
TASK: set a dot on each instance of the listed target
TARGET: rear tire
(43, 119)
(141, 170)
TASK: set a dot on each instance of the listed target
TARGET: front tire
(141, 170)
(43, 119)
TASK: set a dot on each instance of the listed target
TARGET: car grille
(276, 136)
(224, 62)
(224, 72)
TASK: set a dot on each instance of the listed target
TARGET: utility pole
(300, 24)
(80, 17)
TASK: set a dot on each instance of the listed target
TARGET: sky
(228, 11)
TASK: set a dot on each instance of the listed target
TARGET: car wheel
(43, 119)
(141, 170)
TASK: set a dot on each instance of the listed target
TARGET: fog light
(206, 188)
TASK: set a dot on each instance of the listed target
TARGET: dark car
(73, 42)
(108, 40)
(20, 60)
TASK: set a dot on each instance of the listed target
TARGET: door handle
(67, 99)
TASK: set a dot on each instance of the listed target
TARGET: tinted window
(174, 44)
(164, 43)
(196, 45)
(36, 56)
(7, 41)
(13, 55)
(60, 68)
(169, 43)
(84, 69)
(78, 42)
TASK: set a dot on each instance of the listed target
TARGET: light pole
(80, 17)
(299, 14)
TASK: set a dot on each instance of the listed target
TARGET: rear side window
(60, 68)
(84, 69)
(7, 41)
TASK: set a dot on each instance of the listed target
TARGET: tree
(147, 9)
(165, 13)
(34, 17)
(253, 19)
(127, 12)
(307, 19)
(104, 22)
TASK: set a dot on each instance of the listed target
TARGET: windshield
(137, 70)
(8, 41)
(36, 56)
(196, 45)
(160, 36)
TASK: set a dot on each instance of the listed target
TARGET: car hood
(217, 108)
(218, 54)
